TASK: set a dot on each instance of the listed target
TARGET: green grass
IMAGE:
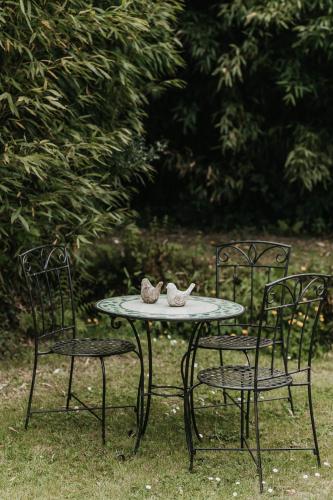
(61, 456)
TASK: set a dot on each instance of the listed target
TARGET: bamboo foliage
(255, 120)
(75, 78)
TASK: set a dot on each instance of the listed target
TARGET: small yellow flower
(321, 318)
(299, 323)
(303, 269)
(274, 312)
(245, 332)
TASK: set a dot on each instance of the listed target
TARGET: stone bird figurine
(177, 298)
(150, 293)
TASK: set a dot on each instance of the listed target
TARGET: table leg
(150, 379)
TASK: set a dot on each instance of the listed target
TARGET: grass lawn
(61, 456)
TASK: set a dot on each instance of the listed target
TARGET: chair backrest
(49, 282)
(293, 303)
(243, 268)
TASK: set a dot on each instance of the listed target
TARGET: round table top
(196, 309)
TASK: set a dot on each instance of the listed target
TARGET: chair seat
(232, 342)
(92, 347)
(242, 378)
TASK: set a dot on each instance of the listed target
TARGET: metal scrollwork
(252, 252)
(115, 323)
(44, 257)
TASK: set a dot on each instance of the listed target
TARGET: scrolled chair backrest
(293, 306)
(243, 268)
(48, 278)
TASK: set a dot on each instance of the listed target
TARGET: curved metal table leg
(103, 399)
(150, 380)
(140, 407)
(189, 415)
(191, 401)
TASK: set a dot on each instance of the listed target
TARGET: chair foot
(313, 425)
(317, 457)
(261, 486)
(33, 380)
(26, 423)
(190, 468)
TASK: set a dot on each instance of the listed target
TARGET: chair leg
(290, 399)
(33, 379)
(248, 401)
(224, 391)
(285, 363)
(313, 425)
(69, 391)
(247, 416)
(103, 398)
(242, 420)
(256, 420)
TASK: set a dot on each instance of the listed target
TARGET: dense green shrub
(74, 83)
(251, 134)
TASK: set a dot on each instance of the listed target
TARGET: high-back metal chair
(294, 304)
(48, 277)
(243, 268)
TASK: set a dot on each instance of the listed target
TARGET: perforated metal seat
(241, 378)
(232, 342)
(93, 347)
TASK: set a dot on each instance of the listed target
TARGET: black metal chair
(285, 301)
(242, 269)
(48, 277)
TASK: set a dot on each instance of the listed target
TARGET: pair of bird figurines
(175, 297)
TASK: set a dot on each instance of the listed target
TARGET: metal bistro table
(198, 310)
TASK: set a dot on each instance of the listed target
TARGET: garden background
(142, 132)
